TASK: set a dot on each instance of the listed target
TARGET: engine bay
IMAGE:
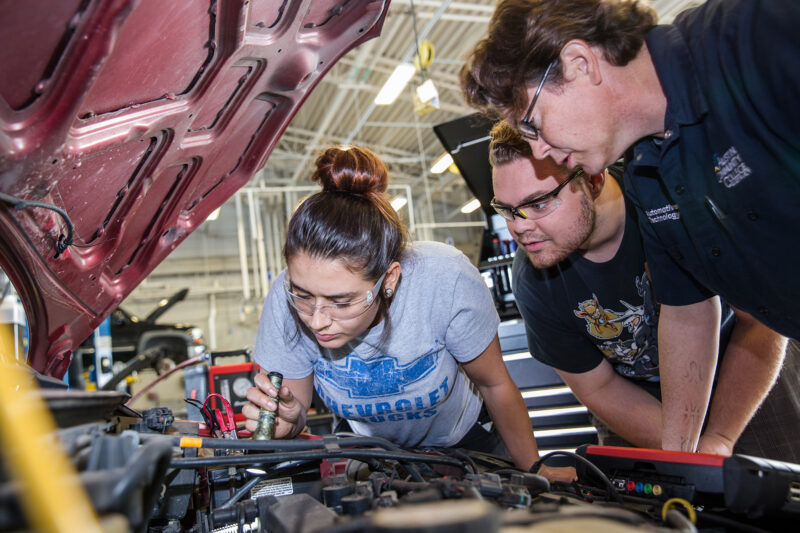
(153, 472)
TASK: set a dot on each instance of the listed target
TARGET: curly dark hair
(527, 35)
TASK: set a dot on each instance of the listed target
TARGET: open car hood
(137, 119)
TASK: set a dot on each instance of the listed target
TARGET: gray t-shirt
(411, 389)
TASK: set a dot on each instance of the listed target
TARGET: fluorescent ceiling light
(214, 214)
(395, 84)
(426, 98)
(441, 164)
(427, 91)
(471, 206)
(399, 202)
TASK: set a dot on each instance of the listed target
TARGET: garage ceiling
(341, 109)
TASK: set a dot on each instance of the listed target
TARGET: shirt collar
(677, 74)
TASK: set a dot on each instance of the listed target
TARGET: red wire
(227, 410)
(188, 362)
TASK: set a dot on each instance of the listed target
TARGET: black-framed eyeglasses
(539, 207)
(525, 126)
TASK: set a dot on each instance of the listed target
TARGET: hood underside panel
(138, 119)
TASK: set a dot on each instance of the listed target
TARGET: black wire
(609, 486)
(63, 243)
(244, 489)
(229, 460)
(459, 454)
(197, 404)
(288, 444)
(310, 444)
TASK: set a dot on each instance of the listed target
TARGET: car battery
(231, 381)
(195, 380)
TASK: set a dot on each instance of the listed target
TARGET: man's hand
(566, 474)
(752, 362)
(688, 343)
(290, 412)
(716, 444)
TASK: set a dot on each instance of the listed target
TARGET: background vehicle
(132, 335)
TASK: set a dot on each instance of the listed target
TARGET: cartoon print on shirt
(634, 350)
(600, 322)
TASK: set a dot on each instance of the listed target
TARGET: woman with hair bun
(398, 339)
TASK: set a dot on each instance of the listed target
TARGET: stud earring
(388, 293)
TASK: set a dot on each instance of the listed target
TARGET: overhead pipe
(277, 238)
(269, 261)
(212, 322)
(428, 196)
(273, 236)
(251, 201)
(242, 240)
(412, 227)
(261, 248)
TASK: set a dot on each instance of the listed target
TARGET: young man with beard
(708, 105)
(582, 286)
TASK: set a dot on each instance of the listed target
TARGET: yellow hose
(51, 493)
(674, 502)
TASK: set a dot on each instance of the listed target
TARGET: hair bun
(352, 169)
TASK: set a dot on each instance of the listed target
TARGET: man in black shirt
(584, 292)
(708, 105)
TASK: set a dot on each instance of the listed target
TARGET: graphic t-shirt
(578, 312)
(408, 388)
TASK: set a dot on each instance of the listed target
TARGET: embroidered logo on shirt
(377, 377)
(730, 168)
(660, 214)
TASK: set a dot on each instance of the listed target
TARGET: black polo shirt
(719, 196)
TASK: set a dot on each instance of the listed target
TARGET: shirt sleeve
(280, 345)
(772, 86)
(473, 317)
(672, 284)
(550, 340)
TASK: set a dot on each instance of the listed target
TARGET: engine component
(155, 420)
(466, 516)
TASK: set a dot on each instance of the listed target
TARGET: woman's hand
(291, 414)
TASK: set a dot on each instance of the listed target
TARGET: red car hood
(138, 119)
